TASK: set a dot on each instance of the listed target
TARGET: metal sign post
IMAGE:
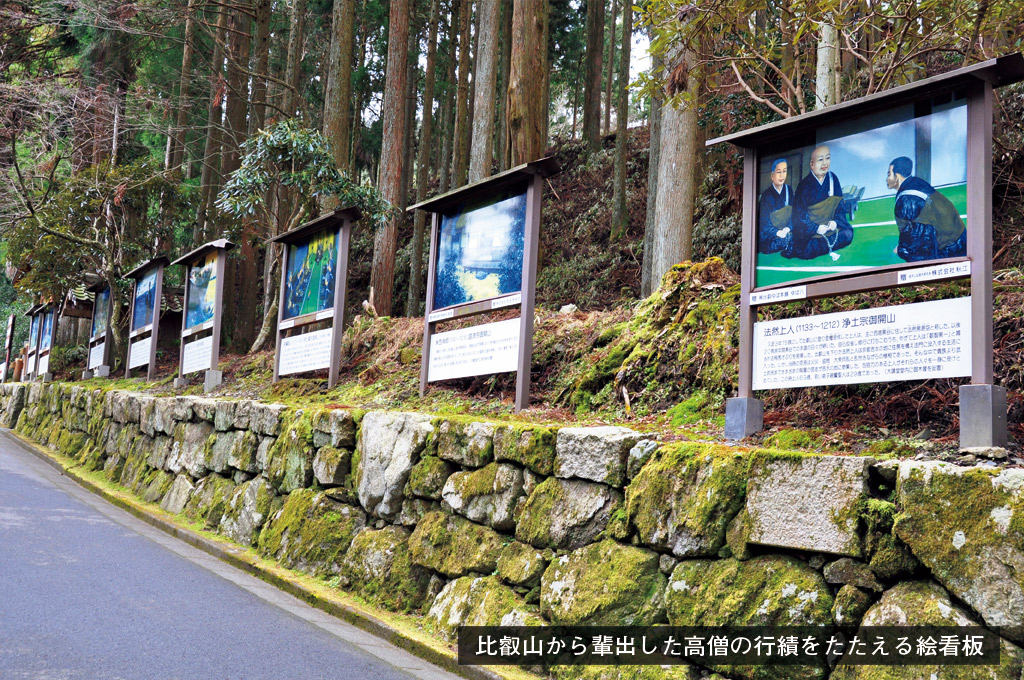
(144, 317)
(202, 312)
(982, 403)
(311, 303)
(488, 348)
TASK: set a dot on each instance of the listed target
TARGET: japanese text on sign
(477, 350)
(96, 355)
(779, 295)
(306, 352)
(198, 355)
(138, 353)
(940, 271)
(722, 646)
(905, 342)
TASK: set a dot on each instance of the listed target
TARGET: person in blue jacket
(929, 224)
(775, 212)
(820, 222)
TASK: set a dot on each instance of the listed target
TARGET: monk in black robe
(775, 213)
(930, 225)
(820, 223)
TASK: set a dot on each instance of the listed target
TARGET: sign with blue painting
(883, 189)
(202, 291)
(309, 281)
(480, 250)
(145, 299)
(101, 312)
(46, 338)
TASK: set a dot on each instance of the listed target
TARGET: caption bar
(724, 646)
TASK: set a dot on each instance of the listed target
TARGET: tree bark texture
(184, 100)
(592, 79)
(527, 113)
(501, 132)
(653, 160)
(261, 51)
(210, 176)
(293, 74)
(674, 205)
(412, 306)
(382, 273)
(462, 121)
(481, 156)
(611, 71)
(448, 119)
(620, 212)
(827, 74)
(338, 95)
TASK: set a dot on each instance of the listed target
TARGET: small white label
(44, 363)
(138, 355)
(477, 350)
(440, 316)
(305, 352)
(507, 301)
(31, 368)
(778, 295)
(939, 271)
(96, 355)
(197, 355)
(326, 314)
(285, 325)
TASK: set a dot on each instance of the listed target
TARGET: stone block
(390, 444)
(598, 454)
(488, 495)
(470, 444)
(454, 546)
(807, 502)
(566, 513)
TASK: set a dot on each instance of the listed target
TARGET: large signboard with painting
(311, 308)
(890, 190)
(99, 347)
(483, 258)
(144, 329)
(203, 309)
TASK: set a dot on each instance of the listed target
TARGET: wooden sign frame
(150, 331)
(982, 403)
(340, 221)
(529, 176)
(31, 355)
(43, 372)
(8, 348)
(103, 368)
(213, 376)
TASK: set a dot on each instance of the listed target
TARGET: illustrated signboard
(8, 347)
(201, 320)
(32, 352)
(889, 190)
(311, 307)
(145, 315)
(99, 348)
(483, 257)
(46, 328)
(883, 190)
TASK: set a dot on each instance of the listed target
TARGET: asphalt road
(89, 591)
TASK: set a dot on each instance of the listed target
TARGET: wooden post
(531, 241)
(340, 297)
(181, 381)
(428, 326)
(280, 312)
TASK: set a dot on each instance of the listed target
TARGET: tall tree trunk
(462, 121)
(481, 157)
(501, 133)
(620, 212)
(338, 96)
(448, 121)
(293, 74)
(610, 71)
(210, 178)
(412, 58)
(653, 160)
(677, 185)
(412, 305)
(825, 83)
(261, 51)
(382, 273)
(242, 275)
(592, 79)
(357, 123)
(527, 120)
(184, 100)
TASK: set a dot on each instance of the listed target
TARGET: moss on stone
(795, 439)
(158, 487)
(851, 603)
(604, 584)
(479, 601)
(210, 499)
(311, 533)
(290, 459)
(566, 513)
(683, 499)
(533, 447)
(378, 567)
(521, 564)
(428, 476)
(701, 405)
(454, 546)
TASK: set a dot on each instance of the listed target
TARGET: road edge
(240, 560)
